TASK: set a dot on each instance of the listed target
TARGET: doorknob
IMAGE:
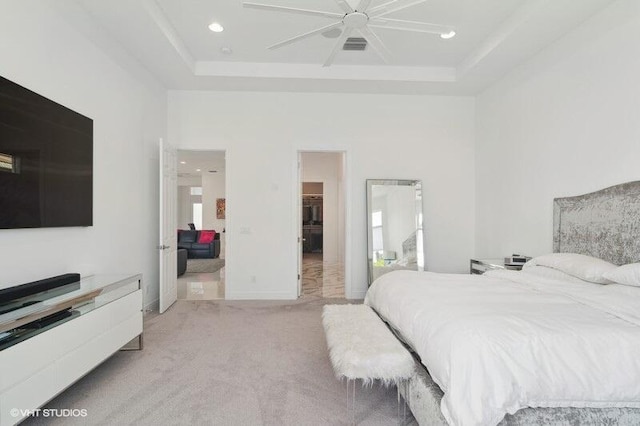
(163, 247)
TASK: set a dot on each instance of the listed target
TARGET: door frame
(228, 236)
(297, 224)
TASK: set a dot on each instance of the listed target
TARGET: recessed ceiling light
(226, 50)
(198, 170)
(448, 35)
(183, 162)
(216, 27)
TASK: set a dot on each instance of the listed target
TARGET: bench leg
(352, 390)
(402, 388)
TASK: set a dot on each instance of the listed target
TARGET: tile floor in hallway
(322, 279)
(319, 279)
(201, 286)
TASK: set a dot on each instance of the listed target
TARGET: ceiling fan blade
(336, 48)
(293, 10)
(392, 6)
(363, 5)
(402, 25)
(344, 6)
(306, 35)
(375, 42)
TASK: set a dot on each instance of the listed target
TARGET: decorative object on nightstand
(516, 261)
(513, 262)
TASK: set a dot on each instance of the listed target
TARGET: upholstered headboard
(603, 224)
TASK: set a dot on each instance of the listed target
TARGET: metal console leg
(130, 346)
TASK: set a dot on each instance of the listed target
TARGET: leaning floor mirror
(394, 222)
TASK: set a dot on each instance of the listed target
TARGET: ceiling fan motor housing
(355, 20)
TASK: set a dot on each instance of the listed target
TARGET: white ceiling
(170, 38)
(249, 31)
(205, 161)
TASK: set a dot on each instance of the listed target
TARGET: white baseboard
(357, 295)
(154, 305)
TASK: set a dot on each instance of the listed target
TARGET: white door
(168, 229)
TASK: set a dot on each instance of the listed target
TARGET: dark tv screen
(46, 162)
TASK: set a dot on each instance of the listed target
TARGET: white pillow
(550, 273)
(578, 265)
(625, 274)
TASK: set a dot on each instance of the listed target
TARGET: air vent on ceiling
(355, 43)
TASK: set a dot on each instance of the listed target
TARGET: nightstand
(480, 266)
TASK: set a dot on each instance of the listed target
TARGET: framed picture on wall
(220, 208)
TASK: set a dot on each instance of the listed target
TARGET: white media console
(50, 342)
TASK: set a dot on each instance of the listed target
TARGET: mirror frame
(417, 184)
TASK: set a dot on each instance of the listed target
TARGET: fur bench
(362, 347)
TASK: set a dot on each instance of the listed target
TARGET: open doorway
(322, 222)
(200, 215)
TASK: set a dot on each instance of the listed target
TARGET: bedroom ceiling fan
(362, 20)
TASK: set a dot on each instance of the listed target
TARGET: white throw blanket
(507, 340)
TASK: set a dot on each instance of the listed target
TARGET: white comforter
(506, 340)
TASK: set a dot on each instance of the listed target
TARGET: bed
(552, 344)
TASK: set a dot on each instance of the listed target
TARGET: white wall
(185, 206)
(186, 200)
(43, 52)
(325, 167)
(565, 123)
(385, 136)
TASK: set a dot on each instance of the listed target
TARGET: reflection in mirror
(394, 218)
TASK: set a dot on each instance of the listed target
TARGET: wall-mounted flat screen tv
(46, 162)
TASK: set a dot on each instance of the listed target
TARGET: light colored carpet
(226, 363)
(197, 266)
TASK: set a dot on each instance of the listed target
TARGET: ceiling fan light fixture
(448, 35)
(332, 33)
(216, 27)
